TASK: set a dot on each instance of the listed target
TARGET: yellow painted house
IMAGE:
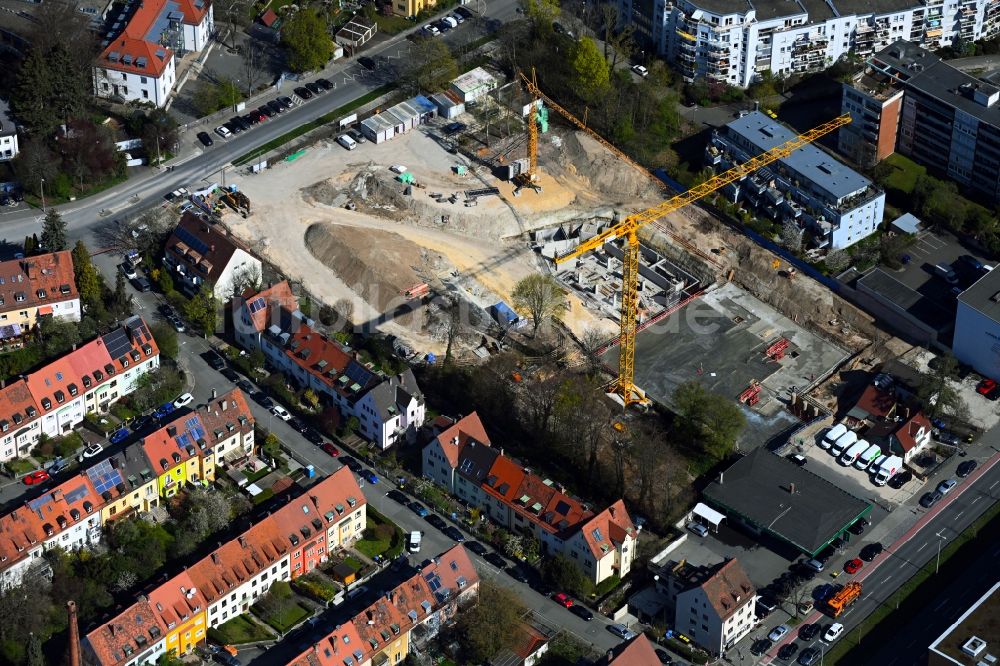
(182, 610)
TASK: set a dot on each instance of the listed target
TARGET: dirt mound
(376, 264)
(604, 172)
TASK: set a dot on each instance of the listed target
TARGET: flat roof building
(810, 187)
(771, 495)
(977, 326)
(973, 638)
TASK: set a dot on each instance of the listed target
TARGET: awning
(45, 310)
(709, 514)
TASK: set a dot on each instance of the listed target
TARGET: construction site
(408, 226)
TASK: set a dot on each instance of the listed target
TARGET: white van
(832, 435)
(888, 469)
(413, 543)
(866, 458)
(347, 142)
(851, 453)
(845, 441)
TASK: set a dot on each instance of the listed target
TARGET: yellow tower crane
(629, 227)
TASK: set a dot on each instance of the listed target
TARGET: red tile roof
(728, 589)
(157, 56)
(178, 600)
(878, 403)
(464, 430)
(39, 280)
(17, 406)
(138, 41)
(613, 526)
(278, 297)
(268, 18)
(908, 432)
(128, 634)
(638, 652)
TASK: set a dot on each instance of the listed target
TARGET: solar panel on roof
(77, 494)
(161, 54)
(191, 240)
(103, 476)
(357, 372)
(117, 343)
(256, 305)
(562, 508)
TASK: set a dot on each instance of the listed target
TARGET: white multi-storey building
(734, 41)
(138, 62)
(836, 204)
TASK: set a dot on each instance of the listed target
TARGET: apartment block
(178, 613)
(406, 616)
(138, 62)
(830, 201)
(736, 41)
(712, 605)
(913, 102)
(389, 408)
(199, 253)
(461, 460)
(54, 399)
(977, 326)
(35, 287)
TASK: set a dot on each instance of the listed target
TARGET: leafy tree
(166, 338)
(541, 297)
(591, 71)
(564, 574)
(34, 164)
(156, 387)
(158, 130)
(307, 39)
(58, 336)
(34, 655)
(431, 66)
(837, 260)
(542, 13)
(937, 388)
(708, 421)
(202, 310)
(494, 624)
(54, 232)
(791, 236)
(209, 97)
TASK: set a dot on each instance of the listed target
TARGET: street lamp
(941, 538)
(42, 186)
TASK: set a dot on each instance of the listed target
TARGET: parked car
(988, 388)
(127, 269)
(245, 385)
(315, 88)
(268, 110)
(871, 551)
(496, 559)
(456, 17)
(901, 479)
(563, 599)
(184, 400)
(356, 136)
(176, 322)
(239, 123)
(947, 437)
(254, 118)
(640, 70)
(431, 30)
(265, 400)
(946, 486)
(807, 632)
(369, 476)
(303, 92)
(418, 509)
(815, 565)
(477, 548)
(223, 131)
(930, 499)
(519, 573)
(833, 632)
(324, 84)
(858, 528)
(298, 424)
(164, 410)
(853, 566)
(141, 284)
(760, 646)
(437, 521)
(698, 529)
(788, 651)
(778, 633)
(330, 449)
(276, 106)
(621, 631)
(36, 477)
(966, 468)
(809, 656)
(286, 102)
(95, 448)
(205, 139)
(281, 412)
(351, 464)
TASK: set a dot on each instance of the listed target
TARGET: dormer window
(19, 296)
(46, 404)
(73, 390)
(31, 412)
(60, 397)
(41, 294)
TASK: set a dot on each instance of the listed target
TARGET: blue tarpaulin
(505, 316)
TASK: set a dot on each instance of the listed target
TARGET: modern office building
(977, 326)
(736, 41)
(834, 203)
(911, 101)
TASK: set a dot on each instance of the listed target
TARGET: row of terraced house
(55, 398)
(461, 460)
(389, 408)
(186, 450)
(176, 615)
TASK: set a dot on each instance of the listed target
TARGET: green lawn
(354, 563)
(253, 477)
(287, 617)
(904, 173)
(20, 466)
(241, 629)
(372, 546)
(392, 25)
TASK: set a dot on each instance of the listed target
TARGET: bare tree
(541, 297)
(345, 308)
(254, 65)
(791, 236)
(591, 342)
(246, 278)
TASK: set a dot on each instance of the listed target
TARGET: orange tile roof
(637, 652)
(278, 297)
(468, 428)
(544, 504)
(613, 525)
(907, 433)
(138, 41)
(17, 406)
(878, 403)
(39, 280)
(128, 634)
(728, 589)
(178, 600)
(137, 48)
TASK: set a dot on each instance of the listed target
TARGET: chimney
(211, 248)
(74, 635)
(791, 488)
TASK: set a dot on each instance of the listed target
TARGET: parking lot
(931, 248)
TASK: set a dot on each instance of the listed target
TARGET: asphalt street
(918, 548)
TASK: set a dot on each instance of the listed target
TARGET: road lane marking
(975, 499)
(959, 514)
(943, 602)
(887, 578)
(993, 484)
(921, 547)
